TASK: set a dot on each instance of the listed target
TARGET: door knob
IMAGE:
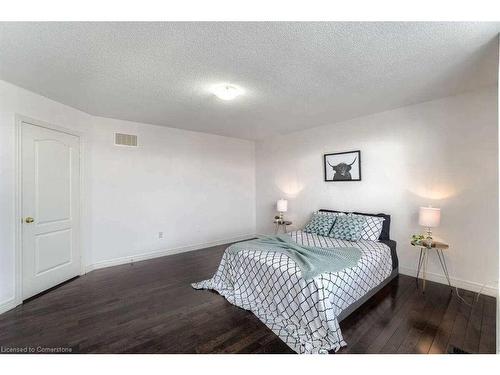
(29, 220)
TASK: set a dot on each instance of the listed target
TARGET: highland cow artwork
(343, 166)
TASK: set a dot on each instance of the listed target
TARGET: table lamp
(429, 217)
(281, 206)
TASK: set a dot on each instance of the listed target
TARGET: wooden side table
(425, 248)
(281, 225)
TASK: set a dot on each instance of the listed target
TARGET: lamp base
(280, 218)
(429, 234)
(428, 238)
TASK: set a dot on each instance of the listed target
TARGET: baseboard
(163, 252)
(8, 305)
(462, 284)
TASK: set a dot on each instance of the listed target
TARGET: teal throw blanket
(311, 260)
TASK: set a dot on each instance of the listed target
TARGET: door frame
(18, 217)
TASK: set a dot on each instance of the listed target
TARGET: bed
(305, 314)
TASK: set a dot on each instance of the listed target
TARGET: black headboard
(386, 226)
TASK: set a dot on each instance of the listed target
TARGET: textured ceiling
(296, 75)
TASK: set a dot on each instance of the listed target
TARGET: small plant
(417, 239)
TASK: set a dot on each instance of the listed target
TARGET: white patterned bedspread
(302, 313)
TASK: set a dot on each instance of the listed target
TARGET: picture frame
(342, 166)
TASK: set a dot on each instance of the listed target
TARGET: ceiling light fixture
(226, 91)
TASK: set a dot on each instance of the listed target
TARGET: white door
(50, 164)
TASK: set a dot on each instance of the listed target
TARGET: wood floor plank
(417, 322)
(487, 342)
(370, 329)
(443, 333)
(457, 337)
(433, 323)
(473, 330)
(396, 320)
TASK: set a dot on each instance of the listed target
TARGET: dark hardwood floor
(150, 307)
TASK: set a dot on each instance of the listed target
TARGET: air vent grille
(125, 140)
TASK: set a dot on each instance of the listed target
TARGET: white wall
(443, 152)
(198, 189)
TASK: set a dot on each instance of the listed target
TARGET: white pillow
(372, 227)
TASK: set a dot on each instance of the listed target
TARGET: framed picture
(342, 166)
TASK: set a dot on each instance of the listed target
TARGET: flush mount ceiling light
(226, 91)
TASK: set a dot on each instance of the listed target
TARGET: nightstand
(425, 248)
(282, 225)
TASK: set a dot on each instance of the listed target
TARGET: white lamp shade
(429, 217)
(282, 205)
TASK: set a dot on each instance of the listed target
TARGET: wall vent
(125, 140)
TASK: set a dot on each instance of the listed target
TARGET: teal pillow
(320, 224)
(348, 228)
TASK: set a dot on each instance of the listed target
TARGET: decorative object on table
(416, 239)
(425, 247)
(342, 166)
(281, 206)
(429, 217)
(281, 225)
